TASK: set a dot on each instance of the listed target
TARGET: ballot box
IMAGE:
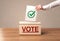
(29, 28)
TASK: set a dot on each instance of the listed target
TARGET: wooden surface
(12, 34)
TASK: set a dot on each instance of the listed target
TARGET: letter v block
(29, 28)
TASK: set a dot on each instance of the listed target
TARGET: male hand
(39, 7)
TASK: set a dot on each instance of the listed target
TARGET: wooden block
(29, 28)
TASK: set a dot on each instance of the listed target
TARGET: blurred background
(13, 11)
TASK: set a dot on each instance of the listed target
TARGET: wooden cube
(29, 28)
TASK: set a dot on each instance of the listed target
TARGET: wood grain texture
(12, 34)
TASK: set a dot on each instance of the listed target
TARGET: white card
(31, 13)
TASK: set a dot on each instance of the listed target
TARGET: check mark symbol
(32, 13)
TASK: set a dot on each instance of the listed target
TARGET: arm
(51, 5)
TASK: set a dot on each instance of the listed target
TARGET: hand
(39, 7)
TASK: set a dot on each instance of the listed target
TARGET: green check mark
(31, 14)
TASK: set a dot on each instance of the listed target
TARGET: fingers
(39, 7)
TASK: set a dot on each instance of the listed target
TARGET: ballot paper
(31, 13)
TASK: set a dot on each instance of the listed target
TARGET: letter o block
(29, 28)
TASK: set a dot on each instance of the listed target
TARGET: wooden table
(12, 34)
